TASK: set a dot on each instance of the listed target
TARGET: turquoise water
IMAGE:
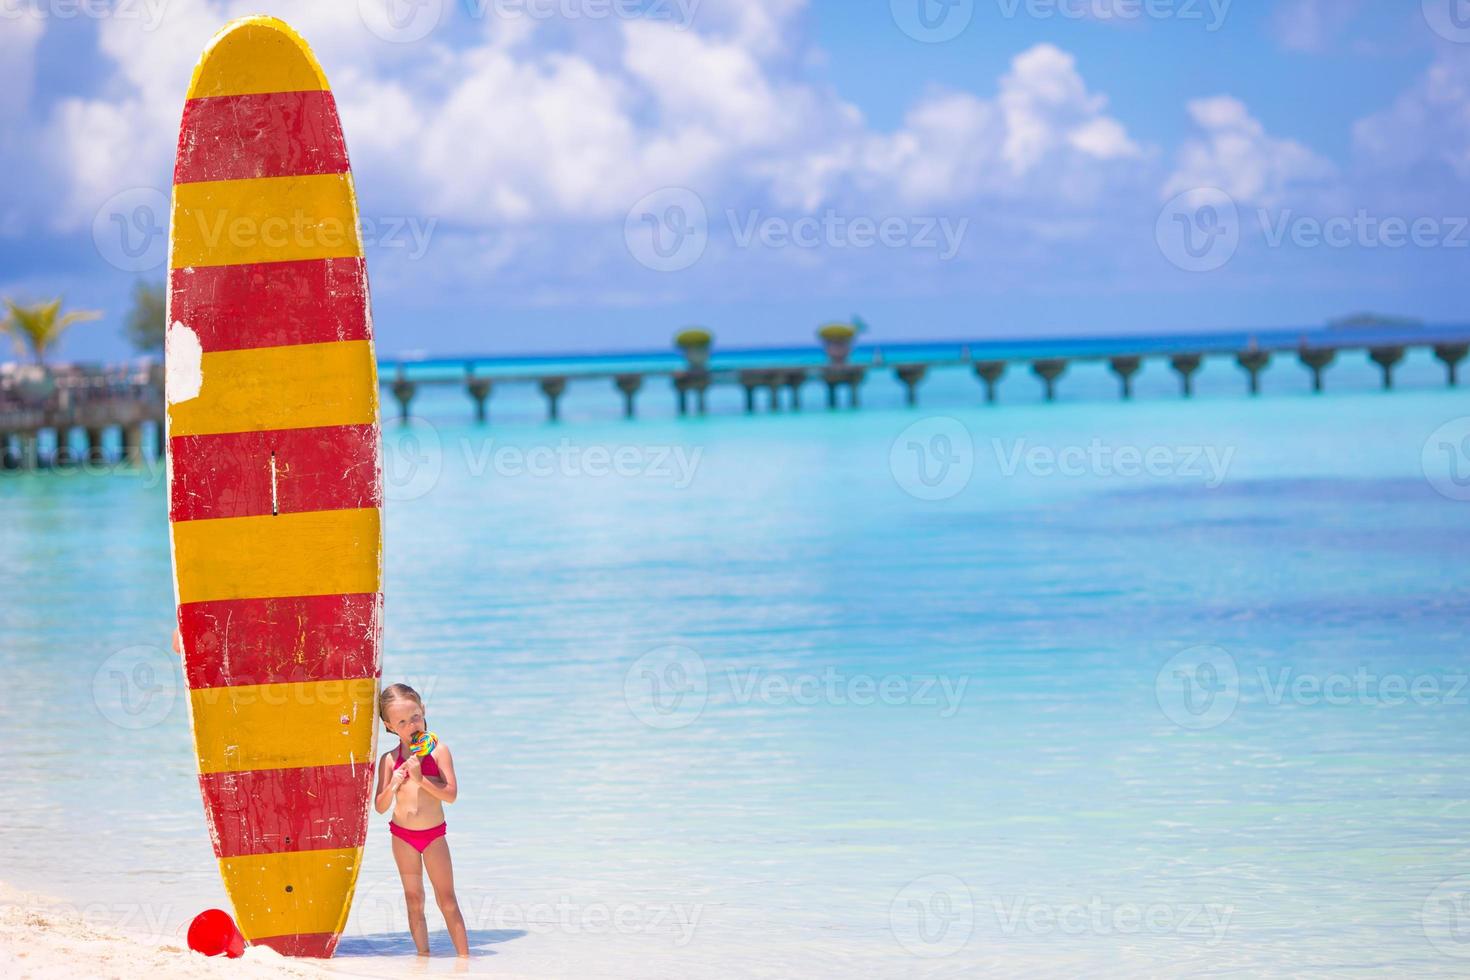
(1162, 688)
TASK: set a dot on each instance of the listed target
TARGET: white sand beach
(42, 938)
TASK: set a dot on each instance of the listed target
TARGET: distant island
(1374, 321)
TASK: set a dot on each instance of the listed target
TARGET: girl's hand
(413, 768)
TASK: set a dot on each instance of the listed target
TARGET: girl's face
(405, 719)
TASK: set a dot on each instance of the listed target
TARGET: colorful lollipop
(423, 744)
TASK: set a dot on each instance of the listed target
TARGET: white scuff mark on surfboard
(183, 360)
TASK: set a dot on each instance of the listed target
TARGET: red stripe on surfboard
(272, 134)
(318, 945)
(280, 471)
(272, 304)
(270, 811)
(233, 642)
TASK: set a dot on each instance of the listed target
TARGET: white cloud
(1427, 129)
(1235, 154)
(1044, 134)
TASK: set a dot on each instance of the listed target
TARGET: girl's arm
(444, 789)
(388, 782)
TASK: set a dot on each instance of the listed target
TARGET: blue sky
(574, 175)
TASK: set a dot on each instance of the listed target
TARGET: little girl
(417, 791)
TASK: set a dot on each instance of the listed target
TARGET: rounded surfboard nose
(275, 482)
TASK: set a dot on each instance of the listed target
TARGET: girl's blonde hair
(397, 692)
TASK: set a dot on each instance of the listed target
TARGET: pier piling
(403, 390)
(95, 452)
(911, 375)
(29, 455)
(1048, 370)
(1317, 360)
(750, 381)
(628, 384)
(687, 381)
(132, 443)
(1187, 365)
(1125, 368)
(1254, 362)
(64, 455)
(479, 391)
(1387, 358)
(990, 372)
(793, 380)
(1450, 355)
(553, 387)
(838, 376)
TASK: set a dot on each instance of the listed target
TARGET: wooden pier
(778, 388)
(65, 400)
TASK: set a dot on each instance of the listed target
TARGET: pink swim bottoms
(418, 839)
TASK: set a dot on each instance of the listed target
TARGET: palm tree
(39, 325)
(144, 325)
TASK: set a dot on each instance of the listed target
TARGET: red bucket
(214, 933)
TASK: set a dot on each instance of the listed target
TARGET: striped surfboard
(274, 482)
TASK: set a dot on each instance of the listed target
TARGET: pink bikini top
(427, 765)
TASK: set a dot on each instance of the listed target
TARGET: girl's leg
(441, 876)
(411, 870)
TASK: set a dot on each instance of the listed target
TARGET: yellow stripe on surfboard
(257, 885)
(284, 726)
(264, 219)
(320, 552)
(255, 55)
(296, 387)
